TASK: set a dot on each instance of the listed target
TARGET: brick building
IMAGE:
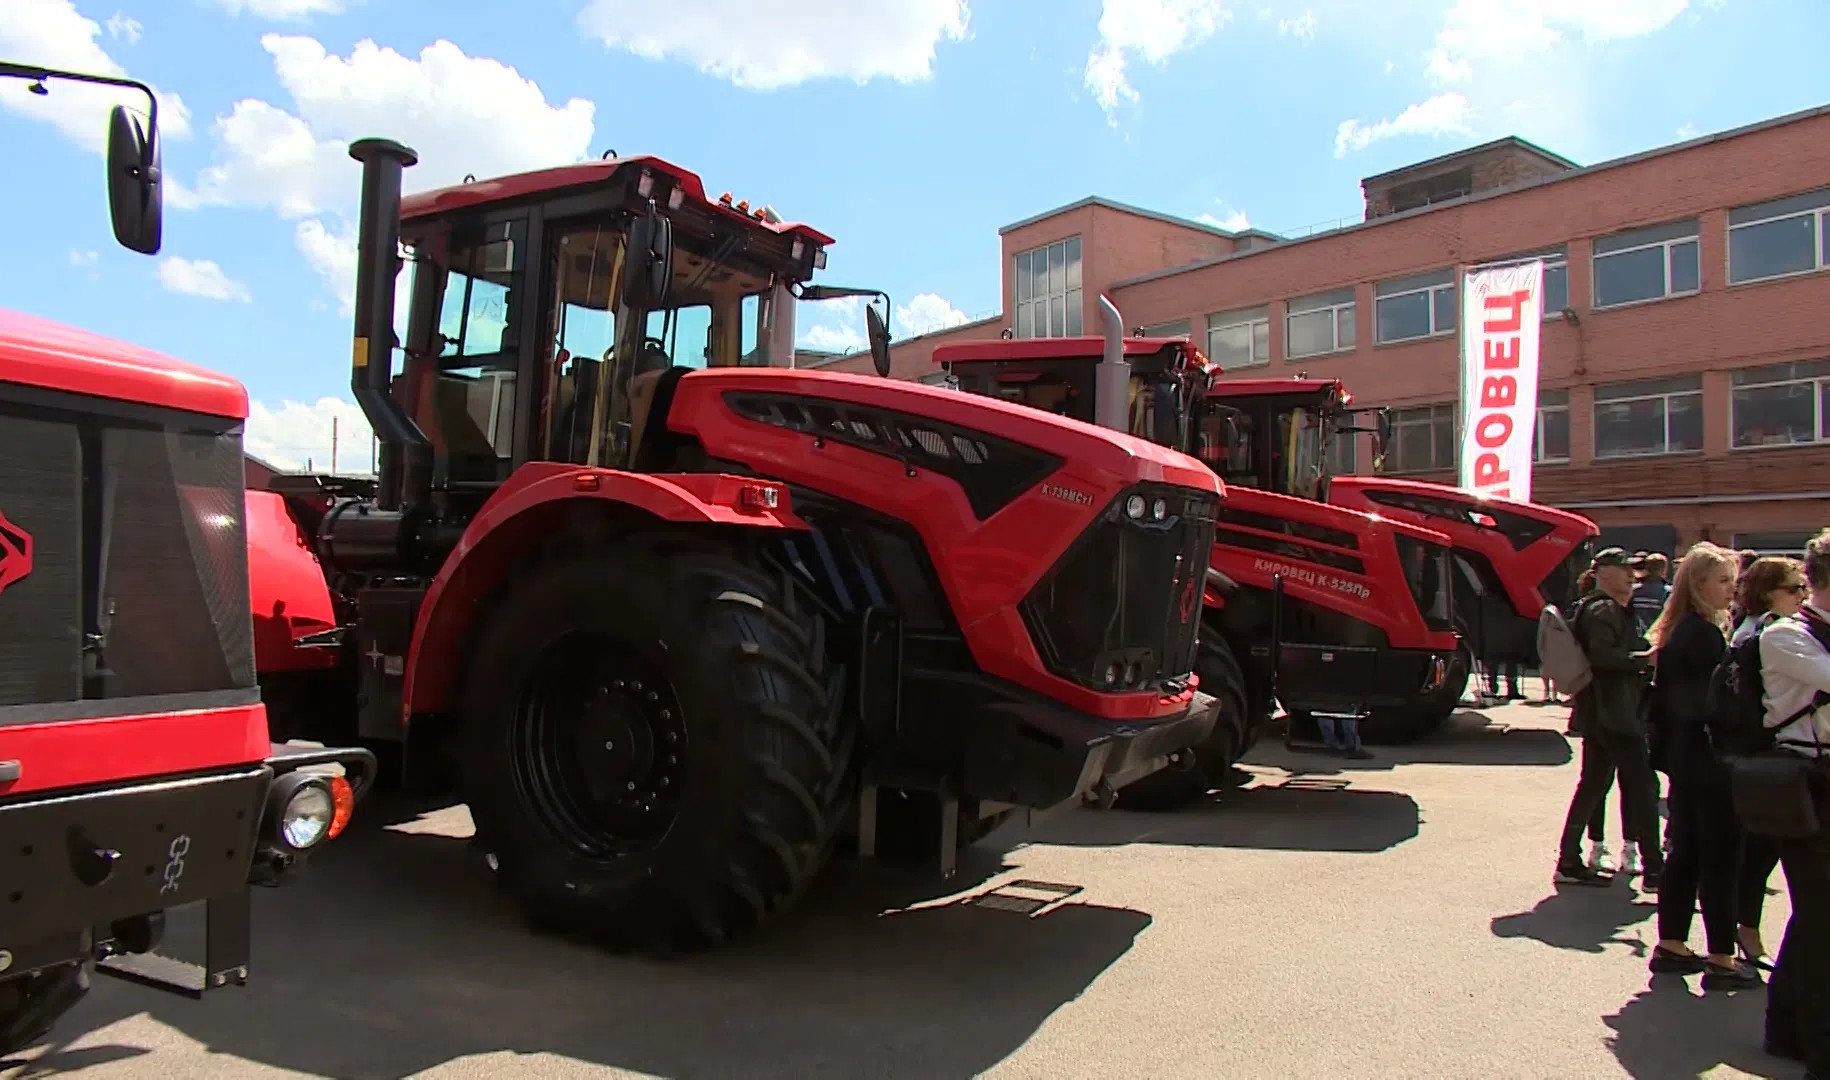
(1685, 373)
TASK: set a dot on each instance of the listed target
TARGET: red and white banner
(1501, 313)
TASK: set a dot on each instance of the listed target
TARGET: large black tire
(654, 747)
(1199, 770)
(1409, 723)
(30, 1005)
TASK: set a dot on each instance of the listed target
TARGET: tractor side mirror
(878, 332)
(134, 193)
(648, 269)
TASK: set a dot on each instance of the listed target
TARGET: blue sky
(909, 129)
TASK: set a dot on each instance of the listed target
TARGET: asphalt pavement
(1382, 918)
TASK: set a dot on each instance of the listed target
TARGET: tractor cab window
(1050, 391)
(1228, 443)
(471, 399)
(1297, 452)
(584, 266)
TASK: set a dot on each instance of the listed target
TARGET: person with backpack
(1607, 679)
(1650, 594)
(1770, 588)
(1600, 858)
(1795, 676)
(1703, 857)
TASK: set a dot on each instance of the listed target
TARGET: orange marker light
(343, 805)
(585, 481)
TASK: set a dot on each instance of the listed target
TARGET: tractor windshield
(1272, 449)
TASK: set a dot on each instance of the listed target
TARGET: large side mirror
(648, 269)
(134, 191)
(879, 334)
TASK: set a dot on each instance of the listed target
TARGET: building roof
(1491, 193)
(38, 352)
(1127, 208)
(1451, 158)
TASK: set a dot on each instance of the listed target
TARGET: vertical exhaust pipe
(1112, 377)
(372, 356)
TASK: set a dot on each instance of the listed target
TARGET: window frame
(1819, 211)
(1329, 301)
(1404, 416)
(1664, 396)
(1667, 243)
(1253, 318)
(1820, 415)
(1070, 294)
(1169, 329)
(1560, 404)
(1427, 284)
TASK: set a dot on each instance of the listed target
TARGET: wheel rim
(599, 747)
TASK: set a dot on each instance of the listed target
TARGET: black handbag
(1777, 793)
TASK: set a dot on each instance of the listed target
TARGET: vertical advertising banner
(1501, 313)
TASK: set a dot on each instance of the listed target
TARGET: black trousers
(1598, 821)
(1703, 863)
(1606, 754)
(1759, 856)
(1798, 995)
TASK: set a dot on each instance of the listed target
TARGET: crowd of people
(1657, 651)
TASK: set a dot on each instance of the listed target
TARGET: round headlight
(1134, 506)
(1159, 509)
(307, 816)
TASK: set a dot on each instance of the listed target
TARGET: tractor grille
(1121, 609)
(137, 584)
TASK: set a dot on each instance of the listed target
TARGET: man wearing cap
(1606, 715)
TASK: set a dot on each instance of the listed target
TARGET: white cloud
(1687, 132)
(54, 34)
(282, 10)
(461, 114)
(784, 44)
(926, 313)
(292, 434)
(84, 259)
(123, 28)
(1302, 27)
(1233, 222)
(1152, 29)
(1475, 31)
(1444, 114)
(830, 325)
(200, 277)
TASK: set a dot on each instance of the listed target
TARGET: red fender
(524, 511)
(286, 588)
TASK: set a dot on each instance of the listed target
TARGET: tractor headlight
(301, 811)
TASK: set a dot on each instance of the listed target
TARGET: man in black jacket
(1606, 714)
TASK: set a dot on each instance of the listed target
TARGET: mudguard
(525, 510)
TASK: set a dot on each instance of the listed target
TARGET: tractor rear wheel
(654, 746)
(1202, 768)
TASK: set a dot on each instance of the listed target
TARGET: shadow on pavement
(67, 1062)
(1582, 918)
(395, 953)
(1669, 1031)
(1299, 814)
(1467, 738)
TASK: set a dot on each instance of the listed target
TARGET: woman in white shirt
(1771, 588)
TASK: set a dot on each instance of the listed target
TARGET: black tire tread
(1177, 786)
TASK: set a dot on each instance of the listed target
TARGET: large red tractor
(1511, 558)
(136, 770)
(1355, 608)
(680, 621)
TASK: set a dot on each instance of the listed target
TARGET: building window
(1048, 290)
(1409, 308)
(1790, 544)
(1780, 405)
(1238, 339)
(1550, 439)
(1646, 264)
(1423, 439)
(1556, 276)
(1179, 328)
(1657, 416)
(1786, 236)
(1319, 324)
(1343, 457)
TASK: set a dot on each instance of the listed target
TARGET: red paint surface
(118, 749)
(287, 592)
(51, 355)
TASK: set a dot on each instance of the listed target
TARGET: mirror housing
(648, 267)
(134, 190)
(878, 332)
(1382, 432)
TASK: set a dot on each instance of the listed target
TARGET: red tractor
(136, 770)
(1511, 558)
(1356, 608)
(678, 620)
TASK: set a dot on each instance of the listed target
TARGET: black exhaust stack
(404, 448)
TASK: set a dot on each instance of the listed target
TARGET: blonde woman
(1688, 639)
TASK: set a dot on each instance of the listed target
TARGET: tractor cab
(1274, 434)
